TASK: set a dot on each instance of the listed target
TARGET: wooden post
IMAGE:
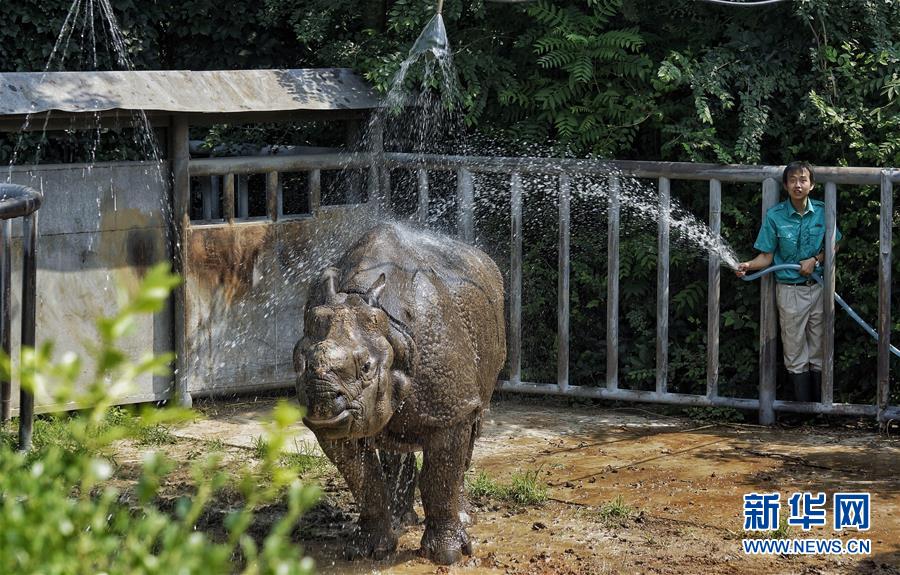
(228, 197)
(662, 288)
(828, 295)
(515, 281)
(562, 299)
(181, 193)
(714, 295)
(768, 327)
(465, 190)
(612, 287)
(884, 295)
(424, 199)
(5, 314)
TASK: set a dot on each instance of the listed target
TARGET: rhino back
(448, 296)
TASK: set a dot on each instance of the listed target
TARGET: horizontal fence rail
(234, 171)
(767, 177)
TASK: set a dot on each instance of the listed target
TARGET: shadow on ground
(680, 484)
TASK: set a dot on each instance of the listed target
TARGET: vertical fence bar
(243, 197)
(228, 197)
(562, 300)
(273, 193)
(714, 295)
(465, 190)
(205, 185)
(353, 138)
(384, 190)
(424, 199)
(884, 295)
(612, 287)
(5, 312)
(767, 324)
(215, 185)
(29, 300)
(662, 288)
(379, 186)
(828, 296)
(515, 281)
(315, 191)
(372, 184)
(181, 190)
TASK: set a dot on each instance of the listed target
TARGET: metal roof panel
(218, 91)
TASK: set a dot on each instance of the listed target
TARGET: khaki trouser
(801, 316)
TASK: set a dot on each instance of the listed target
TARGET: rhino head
(352, 362)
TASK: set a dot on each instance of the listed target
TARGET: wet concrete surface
(682, 483)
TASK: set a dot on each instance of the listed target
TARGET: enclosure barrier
(766, 176)
(379, 191)
(18, 201)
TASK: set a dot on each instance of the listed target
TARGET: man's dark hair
(796, 167)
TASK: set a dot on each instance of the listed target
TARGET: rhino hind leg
(464, 516)
(374, 535)
(401, 476)
(445, 452)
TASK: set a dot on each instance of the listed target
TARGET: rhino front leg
(358, 463)
(445, 539)
(401, 477)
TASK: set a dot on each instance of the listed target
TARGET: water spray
(837, 298)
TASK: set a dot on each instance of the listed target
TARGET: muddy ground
(677, 485)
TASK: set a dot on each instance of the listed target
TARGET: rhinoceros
(403, 343)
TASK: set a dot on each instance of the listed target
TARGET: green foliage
(60, 514)
(614, 511)
(524, 488)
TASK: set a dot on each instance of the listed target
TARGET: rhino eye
(367, 366)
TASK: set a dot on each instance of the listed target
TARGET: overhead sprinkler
(433, 39)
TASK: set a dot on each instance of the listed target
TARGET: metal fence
(665, 172)
(379, 191)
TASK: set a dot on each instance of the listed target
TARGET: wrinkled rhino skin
(403, 342)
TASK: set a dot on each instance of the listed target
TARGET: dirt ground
(681, 485)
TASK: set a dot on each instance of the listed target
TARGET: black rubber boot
(816, 385)
(802, 383)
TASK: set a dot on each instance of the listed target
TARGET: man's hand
(807, 266)
(742, 269)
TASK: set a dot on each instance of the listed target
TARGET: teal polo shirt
(792, 237)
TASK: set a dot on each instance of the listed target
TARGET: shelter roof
(185, 91)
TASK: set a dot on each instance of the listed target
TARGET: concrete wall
(100, 228)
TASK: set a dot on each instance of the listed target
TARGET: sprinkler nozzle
(440, 7)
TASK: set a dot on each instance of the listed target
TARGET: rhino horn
(374, 292)
(330, 279)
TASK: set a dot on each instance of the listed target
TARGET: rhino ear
(374, 292)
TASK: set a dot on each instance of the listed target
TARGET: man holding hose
(793, 232)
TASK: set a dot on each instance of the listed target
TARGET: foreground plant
(59, 514)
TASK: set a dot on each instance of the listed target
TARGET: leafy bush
(61, 515)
